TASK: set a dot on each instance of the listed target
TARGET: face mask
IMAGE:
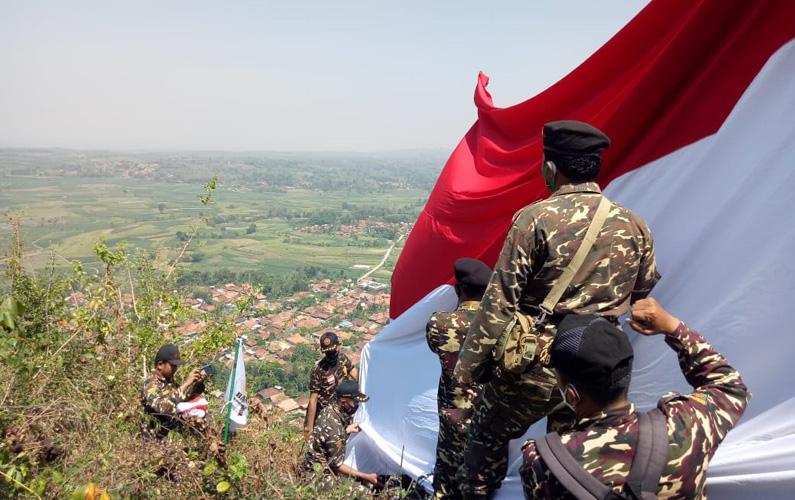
(331, 354)
(546, 170)
(566, 401)
(351, 409)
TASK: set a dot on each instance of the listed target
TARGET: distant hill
(325, 171)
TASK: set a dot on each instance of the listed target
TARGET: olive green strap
(598, 221)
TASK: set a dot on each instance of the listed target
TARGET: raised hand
(650, 318)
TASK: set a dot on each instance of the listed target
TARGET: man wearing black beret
(161, 395)
(328, 440)
(592, 360)
(445, 333)
(538, 278)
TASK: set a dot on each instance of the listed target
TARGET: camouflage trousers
(506, 408)
(449, 455)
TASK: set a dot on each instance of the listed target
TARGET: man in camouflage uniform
(541, 242)
(329, 436)
(605, 435)
(445, 333)
(330, 370)
(161, 394)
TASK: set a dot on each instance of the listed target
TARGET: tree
(161, 207)
(252, 228)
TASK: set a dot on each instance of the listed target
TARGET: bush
(75, 349)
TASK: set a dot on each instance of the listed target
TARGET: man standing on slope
(618, 269)
(445, 333)
(329, 371)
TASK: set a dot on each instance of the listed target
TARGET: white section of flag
(721, 211)
(237, 394)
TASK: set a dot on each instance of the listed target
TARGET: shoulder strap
(651, 453)
(565, 278)
(568, 471)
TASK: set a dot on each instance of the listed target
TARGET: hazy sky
(288, 75)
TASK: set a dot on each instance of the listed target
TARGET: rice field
(65, 216)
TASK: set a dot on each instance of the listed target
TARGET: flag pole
(231, 394)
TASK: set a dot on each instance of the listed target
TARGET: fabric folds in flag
(698, 99)
(667, 79)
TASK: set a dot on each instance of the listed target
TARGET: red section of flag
(667, 79)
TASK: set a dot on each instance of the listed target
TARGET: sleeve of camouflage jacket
(348, 367)
(432, 335)
(196, 389)
(720, 396)
(163, 401)
(334, 451)
(314, 380)
(647, 272)
(499, 302)
(535, 478)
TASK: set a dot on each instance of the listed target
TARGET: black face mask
(351, 409)
(331, 354)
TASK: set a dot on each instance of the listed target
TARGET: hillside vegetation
(275, 213)
(70, 381)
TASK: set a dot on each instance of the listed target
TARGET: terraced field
(65, 216)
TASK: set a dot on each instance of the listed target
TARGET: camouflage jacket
(539, 245)
(327, 443)
(697, 422)
(445, 332)
(160, 398)
(326, 375)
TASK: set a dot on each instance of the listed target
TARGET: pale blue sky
(289, 75)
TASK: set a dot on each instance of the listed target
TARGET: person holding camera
(172, 405)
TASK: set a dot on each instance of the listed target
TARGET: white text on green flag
(236, 397)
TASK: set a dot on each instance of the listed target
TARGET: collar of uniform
(583, 187)
(605, 418)
(342, 416)
(470, 305)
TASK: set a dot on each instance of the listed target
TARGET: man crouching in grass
(326, 445)
(174, 406)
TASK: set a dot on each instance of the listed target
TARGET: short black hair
(472, 292)
(583, 168)
(603, 395)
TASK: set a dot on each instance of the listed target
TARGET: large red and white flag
(698, 98)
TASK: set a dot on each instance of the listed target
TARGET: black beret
(350, 389)
(591, 351)
(472, 272)
(170, 354)
(573, 138)
(329, 341)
